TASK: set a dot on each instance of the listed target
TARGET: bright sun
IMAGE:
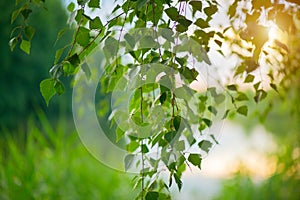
(276, 34)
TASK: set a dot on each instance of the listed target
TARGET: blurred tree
(21, 74)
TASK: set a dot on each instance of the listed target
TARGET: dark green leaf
(274, 87)
(29, 32)
(232, 87)
(95, 23)
(195, 159)
(202, 23)
(242, 97)
(152, 195)
(211, 10)
(180, 28)
(47, 89)
(26, 13)
(260, 95)
(243, 110)
(214, 139)
(205, 145)
(144, 149)
(172, 12)
(25, 46)
(94, 4)
(207, 122)
(83, 36)
(249, 78)
(170, 136)
(196, 5)
(163, 97)
(178, 181)
(212, 110)
(218, 42)
(176, 122)
(74, 60)
(184, 21)
(225, 114)
(59, 87)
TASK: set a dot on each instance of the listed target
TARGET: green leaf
(168, 34)
(243, 110)
(274, 87)
(219, 98)
(26, 13)
(95, 23)
(81, 2)
(163, 97)
(86, 70)
(128, 160)
(94, 4)
(130, 40)
(13, 42)
(176, 122)
(195, 159)
(151, 195)
(225, 114)
(260, 95)
(71, 7)
(83, 36)
(207, 122)
(111, 47)
(29, 32)
(196, 5)
(205, 145)
(202, 23)
(211, 10)
(68, 68)
(212, 110)
(74, 60)
(232, 87)
(59, 87)
(184, 21)
(144, 148)
(172, 12)
(249, 78)
(58, 54)
(47, 89)
(178, 181)
(242, 97)
(141, 3)
(14, 15)
(170, 136)
(132, 146)
(214, 139)
(25, 46)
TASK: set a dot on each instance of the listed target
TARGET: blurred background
(41, 156)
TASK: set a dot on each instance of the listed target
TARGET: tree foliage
(164, 41)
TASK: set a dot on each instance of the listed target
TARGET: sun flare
(276, 34)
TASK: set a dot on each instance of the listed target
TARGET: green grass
(53, 164)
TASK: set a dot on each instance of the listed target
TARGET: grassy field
(51, 163)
